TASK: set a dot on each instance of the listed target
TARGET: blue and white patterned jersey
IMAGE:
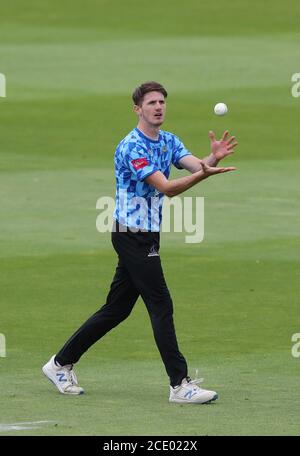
(139, 205)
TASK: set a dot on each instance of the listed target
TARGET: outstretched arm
(219, 150)
(176, 186)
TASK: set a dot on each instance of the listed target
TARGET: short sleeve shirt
(138, 204)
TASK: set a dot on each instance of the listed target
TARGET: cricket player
(142, 166)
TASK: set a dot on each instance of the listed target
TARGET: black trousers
(138, 273)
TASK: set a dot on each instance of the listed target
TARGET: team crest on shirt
(164, 149)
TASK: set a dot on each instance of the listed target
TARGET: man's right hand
(211, 170)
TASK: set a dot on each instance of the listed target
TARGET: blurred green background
(70, 69)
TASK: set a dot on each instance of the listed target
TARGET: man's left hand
(223, 147)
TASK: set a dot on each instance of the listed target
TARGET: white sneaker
(63, 378)
(189, 392)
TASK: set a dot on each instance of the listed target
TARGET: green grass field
(70, 70)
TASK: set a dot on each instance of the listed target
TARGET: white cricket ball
(220, 109)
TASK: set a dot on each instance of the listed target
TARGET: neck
(149, 130)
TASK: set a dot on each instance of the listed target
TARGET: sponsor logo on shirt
(139, 163)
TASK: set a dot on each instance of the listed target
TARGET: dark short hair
(146, 87)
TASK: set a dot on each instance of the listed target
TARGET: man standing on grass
(142, 165)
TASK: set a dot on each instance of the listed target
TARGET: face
(153, 109)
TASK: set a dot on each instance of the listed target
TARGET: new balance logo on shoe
(61, 377)
(190, 394)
